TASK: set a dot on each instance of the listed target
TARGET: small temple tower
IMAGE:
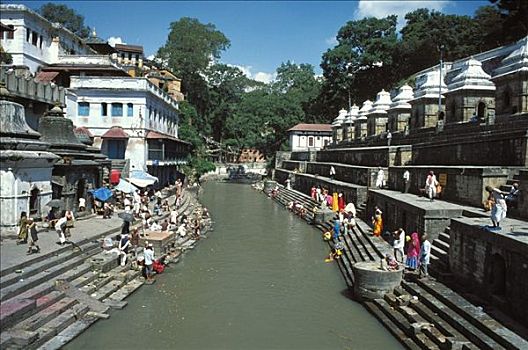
(348, 129)
(511, 80)
(470, 95)
(377, 117)
(400, 110)
(425, 113)
(25, 167)
(77, 171)
(337, 126)
(360, 125)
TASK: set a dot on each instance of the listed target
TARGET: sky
(263, 34)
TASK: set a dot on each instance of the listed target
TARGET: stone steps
(47, 274)
(472, 333)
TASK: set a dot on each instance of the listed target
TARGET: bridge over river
(259, 281)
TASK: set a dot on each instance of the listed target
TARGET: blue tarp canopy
(141, 178)
(125, 187)
(102, 194)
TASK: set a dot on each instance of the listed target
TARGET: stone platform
(492, 264)
(414, 213)
(161, 241)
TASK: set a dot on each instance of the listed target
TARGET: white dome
(405, 94)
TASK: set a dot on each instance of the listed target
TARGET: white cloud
(379, 9)
(332, 41)
(264, 77)
(150, 57)
(259, 76)
(113, 40)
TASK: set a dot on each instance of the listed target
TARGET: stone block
(370, 282)
(14, 310)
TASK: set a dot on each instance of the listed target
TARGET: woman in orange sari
(377, 221)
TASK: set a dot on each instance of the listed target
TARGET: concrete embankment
(421, 314)
(47, 300)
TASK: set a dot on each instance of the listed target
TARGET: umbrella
(56, 203)
(125, 187)
(126, 216)
(102, 194)
(141, 178)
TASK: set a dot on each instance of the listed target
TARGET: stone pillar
(372, 282)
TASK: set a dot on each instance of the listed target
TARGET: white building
(36, 41)
(130, 118)
(309, 137)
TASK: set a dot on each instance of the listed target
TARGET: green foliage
(66, 16)
(5, 57)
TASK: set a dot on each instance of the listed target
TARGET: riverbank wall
(49, 299)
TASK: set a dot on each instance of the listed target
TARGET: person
(430, 185)
(70, 219)
(406, 181)
(425, 256)
(329, 199)
(155, 226)
(22, 228)
(332, 172)
(106, 211)
(124, 244)
(32, 229)
(377, 221)
(389, 138)
(413, 252)
(148, 256)
(313, 192)
(380, 178)
(335, 202)
(164, 225)
(337, 227)
(398, 244)
(182, 230)
(391, 262)
(488, 203)
(499, 208)
(513, 196)
(288, 184)
(318, 194)
(82, 204)
(341, 202)
(351, 209)
(174, 216)
(125, 229)
(134, 240)
(127, 203)
(60, 227)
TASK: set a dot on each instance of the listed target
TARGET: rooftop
(312, 127)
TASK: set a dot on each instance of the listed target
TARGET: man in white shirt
(148, 255)
(60, 227)
(425, 256)
(406, 181)
(398, 244)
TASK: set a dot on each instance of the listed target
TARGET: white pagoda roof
(427, 84)
(516, 61)
(471, 77)
(352, 115)
(405, 94)
(362, 114)
(382, 103)
(340, 118)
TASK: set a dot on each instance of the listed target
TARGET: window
(11, 35)
(115, 149)
(40, 42)
(130, 110)
(28, 34)
(34, 38)
(83, 109)
(104, 109)
(310, 141)
(117, 109)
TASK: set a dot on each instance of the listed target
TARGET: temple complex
(468, 124)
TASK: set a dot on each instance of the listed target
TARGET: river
(259, 281)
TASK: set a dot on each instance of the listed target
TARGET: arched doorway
(498, 275)
(481, 112)
(34, 201)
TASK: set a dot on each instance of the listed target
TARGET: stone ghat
(47, 302)
(383, 156)
(420, 314)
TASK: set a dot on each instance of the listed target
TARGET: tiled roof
(115, 132)
(156, 135)
(312, 127)
(83, 130)
(46, 77)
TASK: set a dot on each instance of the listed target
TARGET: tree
(66, 16)
(361, 62)
(515, 18)
(190, 48)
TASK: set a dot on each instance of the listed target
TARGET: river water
(259, 281)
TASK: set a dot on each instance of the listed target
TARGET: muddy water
(259, 281)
